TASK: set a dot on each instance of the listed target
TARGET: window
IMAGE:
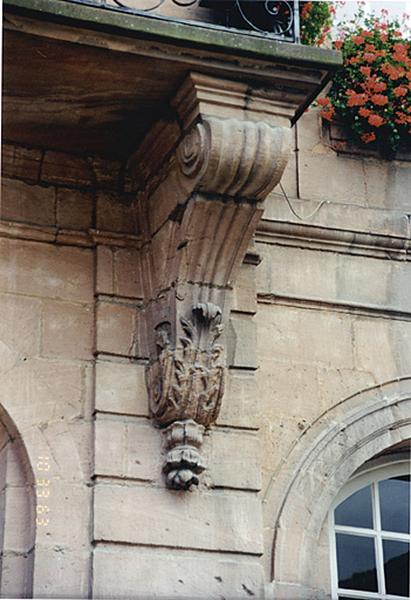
(370, 535)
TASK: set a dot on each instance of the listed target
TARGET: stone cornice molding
(205, 181)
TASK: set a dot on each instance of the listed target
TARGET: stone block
(128, 448)
(68, 445)
(68, 516)
(287, 389)
(241, 400)
(121, 572)
(16, 575)
(46, 270)
(337, 384)
(67, 330)
(27, 203)
(335, 278)
(107, 173)
(17, 508)
(127, 273)
(33, 395)
(234, 459)
(300, 336)
(116, 212)
(160, 517)
(116, 328)
(398, 185)
(105, 270)
(244, 292)
(121, 388)
(21, 163)
(74, 209)
(241, 343)
(20, 324)
(382, 347)
(345, 184)
(66, 169)
(61, 573)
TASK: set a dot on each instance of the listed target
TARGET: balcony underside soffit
(85, 80)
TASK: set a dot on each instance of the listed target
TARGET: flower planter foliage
(315, 22)
(371, 94)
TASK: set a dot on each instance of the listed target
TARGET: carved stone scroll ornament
(203, 203)
(186, 386)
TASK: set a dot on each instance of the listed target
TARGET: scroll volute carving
(202, 209)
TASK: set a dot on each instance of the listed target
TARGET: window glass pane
(356, 511)
(395, 504)
(397, 567)
(356, 562)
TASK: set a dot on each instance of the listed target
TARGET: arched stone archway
(17, 513)
(325, 457)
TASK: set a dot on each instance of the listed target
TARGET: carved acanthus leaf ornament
(188, 381)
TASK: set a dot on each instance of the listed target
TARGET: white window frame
(378, 470)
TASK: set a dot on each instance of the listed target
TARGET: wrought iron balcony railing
(278, 19)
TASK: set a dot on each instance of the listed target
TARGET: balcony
(276, 19)
(93, 77)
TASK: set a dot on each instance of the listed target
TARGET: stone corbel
(204, 185)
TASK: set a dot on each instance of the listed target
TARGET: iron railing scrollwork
(275, 18)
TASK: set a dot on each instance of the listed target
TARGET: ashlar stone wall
(320, 315)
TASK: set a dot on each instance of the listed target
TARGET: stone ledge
(389, 244)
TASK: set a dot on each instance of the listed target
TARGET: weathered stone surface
(45, 270)
(284, 388)
(20, 323)
(335, 278)
(128, 449)
(106, 172)
(33, 394)
(235, 459)
(116, 328)
(116, 212)
(21, 163)
(74, 209)
(16, 506)
(27, 203)
(304, 336)
(67, 330)
(17, 574)
(121, 388)
(66, 169)
(241, 400)
(122, 572)
(244, 293)
(241, 341)
(61, 572)
(105, 268)
(67, 443)
(382, 347)
(126, 273)
(65, 504)
(158, 517)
